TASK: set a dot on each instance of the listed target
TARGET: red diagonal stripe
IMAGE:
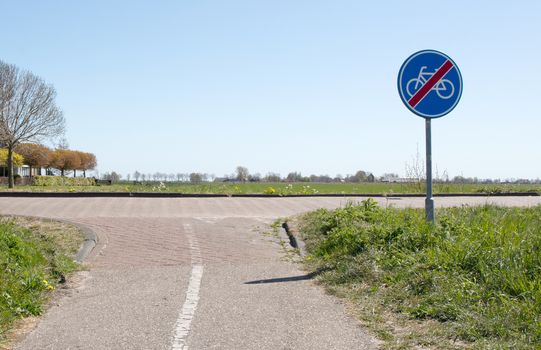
(425, 89)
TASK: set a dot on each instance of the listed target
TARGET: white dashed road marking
(182, 327)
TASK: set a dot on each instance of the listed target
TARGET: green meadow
(284, 188)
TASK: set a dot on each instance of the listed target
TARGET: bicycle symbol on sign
(444, 88)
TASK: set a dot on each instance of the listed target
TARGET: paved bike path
(134, 293)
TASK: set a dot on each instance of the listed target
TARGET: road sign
(430, 84)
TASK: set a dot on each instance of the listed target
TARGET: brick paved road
(134, 295)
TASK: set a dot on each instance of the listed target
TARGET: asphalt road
(198, 273)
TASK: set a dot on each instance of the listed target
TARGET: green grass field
(285, 188)
(471, 281)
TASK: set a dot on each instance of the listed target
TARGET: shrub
(63, 181)
(17, 158)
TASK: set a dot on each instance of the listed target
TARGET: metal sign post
(429, 201)
(430, 85)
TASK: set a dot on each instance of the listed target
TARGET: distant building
(399, 179)
(21, 171)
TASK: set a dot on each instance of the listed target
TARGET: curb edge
(90, 237)
(91, 240)
(294, 238)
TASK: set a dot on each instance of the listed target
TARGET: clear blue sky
(309, 86)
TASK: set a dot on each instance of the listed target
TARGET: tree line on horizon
(243, 175)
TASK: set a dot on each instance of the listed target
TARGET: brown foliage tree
(88, 162)
(35, 155)
(65, 160)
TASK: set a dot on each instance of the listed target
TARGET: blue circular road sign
(430, 84)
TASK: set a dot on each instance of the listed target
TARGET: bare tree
(255, 177)
(296, 177)
(360, 176)
(28, 112)
(62, 143)
(196, 178)
(272, 177)
(242, 174)
(113, 176)
(137, 175)
(415, 172)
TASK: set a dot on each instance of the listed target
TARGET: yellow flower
(270, 190)
(48, 285)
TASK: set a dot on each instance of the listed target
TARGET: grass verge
(283, 188)
(471, 281)
(35, 256)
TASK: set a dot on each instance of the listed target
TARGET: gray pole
(429, 201)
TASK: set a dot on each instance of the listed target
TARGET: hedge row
(63, 181)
